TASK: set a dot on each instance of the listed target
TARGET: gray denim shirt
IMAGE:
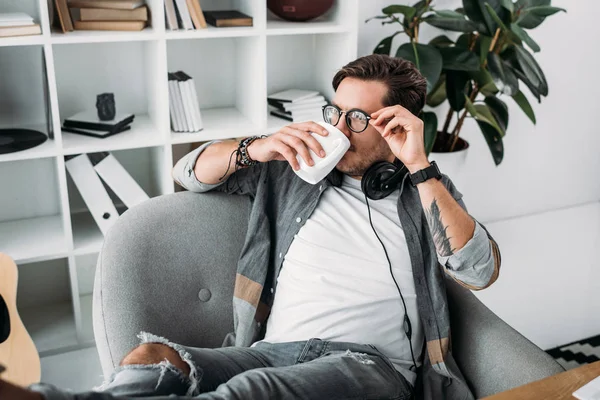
(281, 204)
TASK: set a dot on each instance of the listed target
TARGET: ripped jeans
(312, 369)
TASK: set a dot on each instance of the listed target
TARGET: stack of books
(102, 15)
(87, 123)
(188, 15)
(183, 103)
(18, 24)
(184, 14)
(297, 105)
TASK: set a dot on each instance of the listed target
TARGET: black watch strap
(425, 174)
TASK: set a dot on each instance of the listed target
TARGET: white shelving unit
(44, 223)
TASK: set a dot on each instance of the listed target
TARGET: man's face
(368, 146)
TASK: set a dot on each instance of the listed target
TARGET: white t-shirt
(335, 282)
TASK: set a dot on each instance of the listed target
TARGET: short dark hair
(406, 85)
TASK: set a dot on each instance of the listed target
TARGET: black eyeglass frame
(346, 117)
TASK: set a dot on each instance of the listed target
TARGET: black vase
(105, 104)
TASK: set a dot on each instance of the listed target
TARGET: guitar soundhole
(4, 321)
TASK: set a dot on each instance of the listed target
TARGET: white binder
(118, 179)
(89, 185)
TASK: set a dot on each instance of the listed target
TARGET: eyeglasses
(357, 120)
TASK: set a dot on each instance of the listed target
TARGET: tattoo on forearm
(438, 230)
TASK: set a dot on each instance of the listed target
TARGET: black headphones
(379, 181)
(382, 179)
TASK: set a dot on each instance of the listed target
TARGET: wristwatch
(425, 174)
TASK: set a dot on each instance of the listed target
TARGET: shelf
(304, 28)
(219, 123)
(87, 238)
(213, 32)
(143, 133)
(33, 239)
(31, 40)
(44, 150)
(52, 327)
(103, 36)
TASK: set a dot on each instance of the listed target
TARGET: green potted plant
(489, 60)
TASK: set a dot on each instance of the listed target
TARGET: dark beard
(381, 152)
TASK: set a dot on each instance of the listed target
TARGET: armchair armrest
(492, 355)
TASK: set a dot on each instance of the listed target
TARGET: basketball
(299, 10)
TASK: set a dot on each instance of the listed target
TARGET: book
(15, 19)
(7, 31)
(110, 25)
(184, 14)
(171, 15)
(292, 95)
(196, 14)
(188, 102)
(288, 106)
(90, 120)
(227, 18)
(195, 104)
(105, 14)
(297, 118)
(118, 179)
(178, 99)
(64, 17)
(112, 4)
(96, 133)
(172, 111)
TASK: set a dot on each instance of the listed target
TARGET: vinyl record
(12, 140)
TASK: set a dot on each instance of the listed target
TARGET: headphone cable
(407, 324)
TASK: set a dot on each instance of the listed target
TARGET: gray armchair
(163, 272)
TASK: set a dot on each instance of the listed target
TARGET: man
(353, 289)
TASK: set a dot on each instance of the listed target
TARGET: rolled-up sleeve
(474, 264)
(243, 181)
(183, 171)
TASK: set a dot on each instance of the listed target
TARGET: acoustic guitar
(17, 351)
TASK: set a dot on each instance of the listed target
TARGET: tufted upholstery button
(204, 295)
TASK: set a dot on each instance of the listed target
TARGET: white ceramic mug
(335, 145)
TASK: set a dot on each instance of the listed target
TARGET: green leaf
(531, 17)
(456, 81)
(407, 11)
(509, 5)
(489, 89)
(430, 123)
(503, 77)
(544, 11)
(458, 59)
(477, 12)
(522, 101)
(532, 88)
(524, 36)
(532, 3)
(385, 46)
(438, 93)
(427, 59)
(459, 24)
(469, 106)
(482, 77)
(494, 141)
(495, 17)
(463, 40)
(500, 111)
(441, 41)
(485, 114)
(484, 47)
(532, 70)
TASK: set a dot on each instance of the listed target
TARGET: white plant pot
(451, 164)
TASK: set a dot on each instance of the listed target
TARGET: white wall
(546, 287)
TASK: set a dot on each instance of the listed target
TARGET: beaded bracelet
(243, 159)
